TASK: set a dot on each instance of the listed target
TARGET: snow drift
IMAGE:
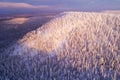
(73, 45)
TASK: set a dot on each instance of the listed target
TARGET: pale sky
(63, 4)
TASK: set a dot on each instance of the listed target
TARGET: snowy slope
(99, 28)
(84, 45)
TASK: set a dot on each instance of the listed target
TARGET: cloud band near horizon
(62, 4)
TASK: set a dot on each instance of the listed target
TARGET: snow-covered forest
(71, 46)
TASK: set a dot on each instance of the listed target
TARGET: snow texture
(73, 46)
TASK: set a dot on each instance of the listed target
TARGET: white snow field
(72, 46)
(16, 21)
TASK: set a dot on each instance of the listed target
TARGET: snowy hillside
(73, 45)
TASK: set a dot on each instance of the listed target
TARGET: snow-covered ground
(16, 21)
(72, 46)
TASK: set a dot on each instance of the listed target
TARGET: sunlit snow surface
(83, 46)
(112, 11)
(16, 21)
